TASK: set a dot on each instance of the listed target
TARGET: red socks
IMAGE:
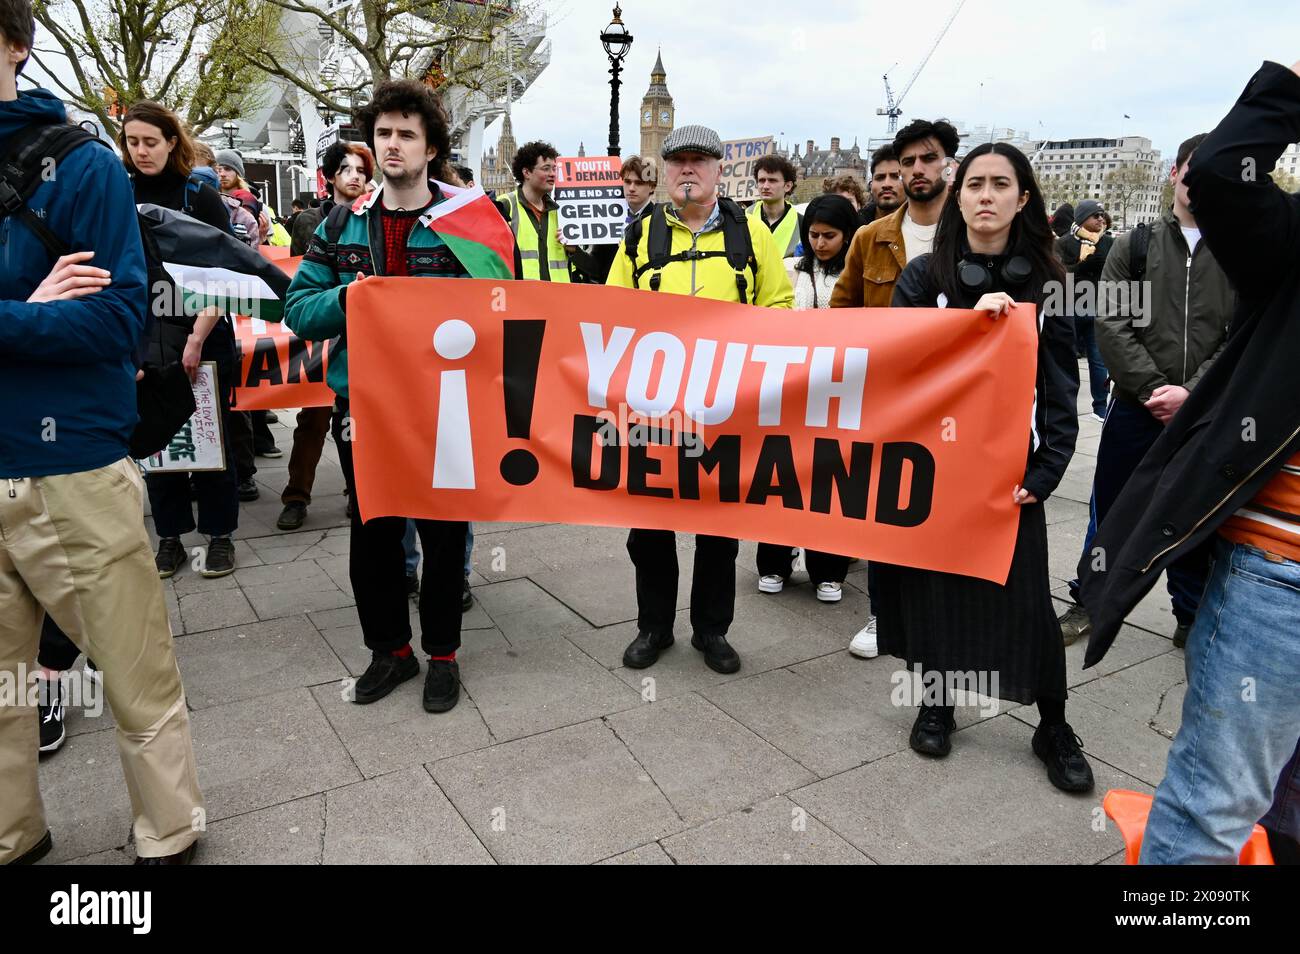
(404, 652)
(451, 658)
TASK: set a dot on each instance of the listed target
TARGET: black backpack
(1138, 244)
(738, 247)
(164, 398)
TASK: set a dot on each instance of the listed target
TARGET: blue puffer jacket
(67, 379)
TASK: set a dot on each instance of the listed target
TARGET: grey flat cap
(693, 139)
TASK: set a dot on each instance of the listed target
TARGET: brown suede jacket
(876, 258)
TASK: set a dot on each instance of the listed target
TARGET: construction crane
(893, 109)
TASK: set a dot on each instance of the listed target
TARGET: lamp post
(617, 41)
(230, 127)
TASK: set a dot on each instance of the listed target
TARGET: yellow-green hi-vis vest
(786, 234)
(526, 237)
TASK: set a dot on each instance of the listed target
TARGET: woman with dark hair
(994, 248)
(825, 231)
(159, 154)
(827, 226)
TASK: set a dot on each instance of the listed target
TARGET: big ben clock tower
(657, 117)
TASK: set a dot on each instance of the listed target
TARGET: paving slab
(541, 685)
(398, 819)
(706, 762)
(651, 854)
(287, 589)
(212, 609)
(570, 796)
(989, 802)
(776, 831)
(395, 732)
(1144, 692)
(287, 834)
(86, 804)
(261, 752)
(524, 611)
(250, 660)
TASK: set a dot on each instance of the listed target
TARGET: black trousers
(377, 568)
(776, 560)
(241, 445)
(57, 651)
(713, 584)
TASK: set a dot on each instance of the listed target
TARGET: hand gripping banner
(893, 434)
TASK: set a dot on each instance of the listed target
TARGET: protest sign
(279, 369)
(589, 192)
(738, 158)
(198, 445)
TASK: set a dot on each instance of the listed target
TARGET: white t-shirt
(917, 239)
(1193, 237)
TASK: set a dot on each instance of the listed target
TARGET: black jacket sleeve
(1251, 225)
(912, 289)
(1056, 414)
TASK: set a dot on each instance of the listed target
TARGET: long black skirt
(944, 623)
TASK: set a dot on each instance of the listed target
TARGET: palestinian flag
(468, 221)
(211, 267)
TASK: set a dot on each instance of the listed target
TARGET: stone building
(495, 175)
(657, 116)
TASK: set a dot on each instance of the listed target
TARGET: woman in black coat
(993, 248)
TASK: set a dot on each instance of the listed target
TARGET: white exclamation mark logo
(453, 457)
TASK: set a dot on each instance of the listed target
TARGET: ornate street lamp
(617, 41)
(230, 127)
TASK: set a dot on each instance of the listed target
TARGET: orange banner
(277, 368)
(896, 435)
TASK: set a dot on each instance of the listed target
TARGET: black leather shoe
(1062, 751)
(292, 516)
(384, 674)
(932, 731)
(182, 857)
(1180, 635)
(248, 490)
(718, 654)
(466, 598)
(645, 649)
(36, 852)
(441, 686)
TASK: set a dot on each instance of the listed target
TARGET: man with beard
(886, 184)
(347, 167)
(925, 154)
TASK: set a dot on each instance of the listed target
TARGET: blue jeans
(1241, 716)
(1085, 336)
(413, 555)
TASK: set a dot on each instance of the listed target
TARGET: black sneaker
(292, 516)
(384, 674)
(466, 598)
(441, 686)
(272, 417)
(413, 585)
(1180, 635)
(645, 649)
(170, 558)
(268, 450)
(718, 654)
(183, 857)
(50, 708)
(248, 490)
(1062, 751)
(932, 731)
(220, 560)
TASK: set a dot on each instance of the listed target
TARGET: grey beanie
(1082, 212)
(228, 157)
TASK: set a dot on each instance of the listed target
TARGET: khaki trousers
(75, 545)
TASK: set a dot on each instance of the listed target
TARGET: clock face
(663, 116)
(646, 118)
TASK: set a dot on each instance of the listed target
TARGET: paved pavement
(557, 753)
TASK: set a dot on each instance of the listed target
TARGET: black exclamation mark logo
(568, 170)
(522, 353)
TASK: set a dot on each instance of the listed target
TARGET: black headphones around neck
(977, 277)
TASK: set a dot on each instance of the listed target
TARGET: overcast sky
(812, 69)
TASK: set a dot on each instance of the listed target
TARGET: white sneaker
(771, 584)
(829, 592)
(863, 644)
